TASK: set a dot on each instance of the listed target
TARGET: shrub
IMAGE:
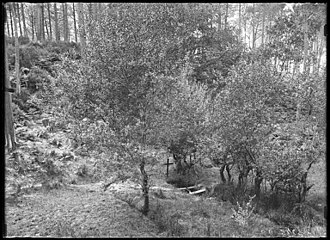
(242, 214)
(23, 40)
(165, 222)
(38, 79)
(21, 100)
(30, 55)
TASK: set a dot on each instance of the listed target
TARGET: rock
(140, 204)
(45, 122)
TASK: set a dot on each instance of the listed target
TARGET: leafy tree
(251, 109)
(122, 96)
(183, 107)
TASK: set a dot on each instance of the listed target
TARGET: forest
(165, 119)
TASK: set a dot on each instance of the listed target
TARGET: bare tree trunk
(39, 22)
(219, 18)
(95, 11)
(222, 176)
(239, 20)
(74, 23)
(245, 40)
(7, 26)
(65, 22)
(57, 30)
(226, 16)
(90, 20)
(32, 26)
(257, 183)
(11, 19)
(47, 32)
(24, 23)
(81, 26)
(270, 17)
(99, 7)
(263, 27)
(145, 177)
(17, 73)
(42, 22)
(242, 178)
(145, 187)
(19, 19)
(9, 129)
(228, 173)
(90, 10)
(253, 27)
(50, 23)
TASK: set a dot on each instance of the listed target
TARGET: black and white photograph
(164, 119)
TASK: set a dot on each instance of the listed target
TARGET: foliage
(240, 117)
(251, 109)
(287, 34)
(183, 106)
(162, 75)
(295, 148)
(38, 79)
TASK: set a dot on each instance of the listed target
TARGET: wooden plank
(185, 188)
(199, 191)
(162, 188)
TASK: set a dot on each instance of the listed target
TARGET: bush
(23, 40)
(166, 222)
(21, 100)
(242, 214)
(29, 56)
(38, 79)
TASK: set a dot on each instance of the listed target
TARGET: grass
(177, 214)
(209, 217)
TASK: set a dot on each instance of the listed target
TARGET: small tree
(9, 126)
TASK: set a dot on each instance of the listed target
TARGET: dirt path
(76, 212)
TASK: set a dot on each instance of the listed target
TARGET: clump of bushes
(166, 223)
(21, 40)
(38, 79)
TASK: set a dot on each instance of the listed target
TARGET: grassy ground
(86, 210)
(76, 212)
